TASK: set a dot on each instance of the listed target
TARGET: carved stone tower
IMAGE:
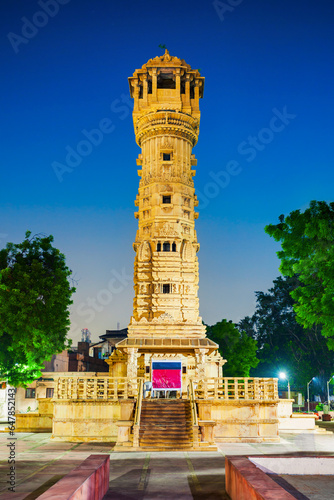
(166, 117)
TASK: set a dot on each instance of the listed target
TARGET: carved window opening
(166, 199)
(166, 246)
(186, 214)
(186, 202)
(147, 369)
(140, 92)
(174, 247)
(166, 80)
(166, 288)
(184, 369)
(159, 247)
(166, 156)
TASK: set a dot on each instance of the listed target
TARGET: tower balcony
(165, 122)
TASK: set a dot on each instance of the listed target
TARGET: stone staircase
(165, 424)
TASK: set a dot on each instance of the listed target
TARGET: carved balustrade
(237, 388)
(95, 388)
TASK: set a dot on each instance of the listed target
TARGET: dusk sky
(268, 105)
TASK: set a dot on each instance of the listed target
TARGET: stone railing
(95, 388)
(226, 388)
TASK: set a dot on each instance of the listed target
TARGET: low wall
(297, 422)
(33, 422)
(78, 420)
(88, 481)
(241, 421)
(245, 481)
(38, 421)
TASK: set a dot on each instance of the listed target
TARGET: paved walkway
(139, 475)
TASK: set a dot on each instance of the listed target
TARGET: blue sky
(267, 108)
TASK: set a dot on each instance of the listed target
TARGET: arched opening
(166, 246)
(166, 80)
(159, 247)
(174, 247)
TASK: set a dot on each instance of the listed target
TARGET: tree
(283, 344)
(34, 297)
(236, 346)
(307, 241)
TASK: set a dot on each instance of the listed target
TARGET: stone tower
(166, 115)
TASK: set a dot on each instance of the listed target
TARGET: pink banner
(166, 379)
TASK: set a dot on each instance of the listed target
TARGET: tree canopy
(35, 294)
(283, 344)
(236, 346)
(307, 240)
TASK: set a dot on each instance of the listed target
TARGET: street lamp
(329, 401)
(283, 376)
(308, 395)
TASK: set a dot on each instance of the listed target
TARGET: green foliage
(283, 344)
(34, 297)
(236, 346)
(307, 241)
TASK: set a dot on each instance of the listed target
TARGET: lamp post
(283, 376)
(329, 401)
(308, 395)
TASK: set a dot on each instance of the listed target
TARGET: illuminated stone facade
(166, 116)
(166, 320)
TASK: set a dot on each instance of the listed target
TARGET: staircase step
(166, 425)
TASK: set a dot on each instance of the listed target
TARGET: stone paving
(140, 475)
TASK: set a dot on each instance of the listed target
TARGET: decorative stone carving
(166, 318)
(144, 252)
(200, 356)
(167, 230)
(188, 254)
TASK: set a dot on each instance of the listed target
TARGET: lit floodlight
(282, 375)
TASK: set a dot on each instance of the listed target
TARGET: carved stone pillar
(132, 366)
(154, 83)
(200, 355)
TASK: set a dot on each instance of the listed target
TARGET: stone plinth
(123, 438)
(207, 430)
(241, 420)
(80, 420)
